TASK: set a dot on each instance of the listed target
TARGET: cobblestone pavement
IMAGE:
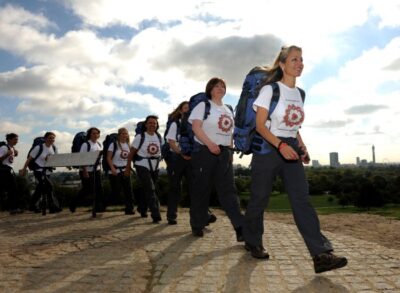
(118, 253)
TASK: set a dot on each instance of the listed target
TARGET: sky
(67, 65)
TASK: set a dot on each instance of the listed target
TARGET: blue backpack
(186, 139)
(246, 139)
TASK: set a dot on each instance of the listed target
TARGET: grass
(280, 203)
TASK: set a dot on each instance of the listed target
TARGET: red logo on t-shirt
(294, 115)
(153, 148)
(225, 123)
(124, 154)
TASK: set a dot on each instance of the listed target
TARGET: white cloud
(12, 126)
(80, 75)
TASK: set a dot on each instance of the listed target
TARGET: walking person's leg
(148, 184)
(263, 172)
(227, 193)
(177, 167)
(202, 166)
(128, 194)
(306, 219)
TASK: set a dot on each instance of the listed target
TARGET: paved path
(117, 253)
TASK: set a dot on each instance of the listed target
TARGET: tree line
(361, 187)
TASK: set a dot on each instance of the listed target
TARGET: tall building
(373, 154)
(334, 160)
(357, 161)
(315, 163)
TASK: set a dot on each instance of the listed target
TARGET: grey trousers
(210, 170)
(264, 168)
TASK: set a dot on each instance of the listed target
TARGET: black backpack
(166, 151)
(4, 143)
(186, 139)
(79, 139)
(140, 130)
(38, 141)
(110, 139)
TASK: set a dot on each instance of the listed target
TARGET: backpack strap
(178, 126)
(207, 107)
(159, 138)
(275, 97)
(302, 94)
(115, 148)
(230, 108)
(39, 152)
(142, 136)
(87, 146)
(274, 100)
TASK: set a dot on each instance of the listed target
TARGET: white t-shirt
(219, 124)
(151, 148)
(8, 161)
(171, 134)
(288, 115)
(120, 158)
(41, 160)
(94, 146)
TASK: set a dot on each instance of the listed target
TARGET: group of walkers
(209, 165)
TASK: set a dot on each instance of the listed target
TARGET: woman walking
(287, 154)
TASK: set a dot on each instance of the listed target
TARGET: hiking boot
(257, 251)
(239, 234)
(172, 222)
(156, 219)
(197, 232)
(328, 261)
(211, 219)
(72, 207)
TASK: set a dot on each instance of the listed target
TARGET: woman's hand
(288, 152)
(214, 148)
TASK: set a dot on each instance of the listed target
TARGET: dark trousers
(121, 182)
(264, 168)
(177, 168)
(44, 188)
(148, 197)
(210, 170)
(90, 186)
(8, 184)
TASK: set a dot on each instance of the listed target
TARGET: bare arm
(173, 146)
(22, 172)
(110, 163)
(132, 153)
